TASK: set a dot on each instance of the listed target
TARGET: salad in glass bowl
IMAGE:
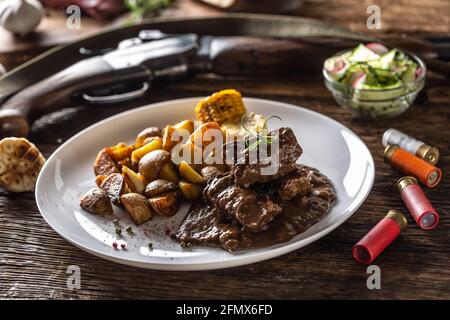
(373, 81)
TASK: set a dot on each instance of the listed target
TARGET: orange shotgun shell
(412, 165)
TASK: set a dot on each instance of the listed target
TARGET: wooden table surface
(34, 258)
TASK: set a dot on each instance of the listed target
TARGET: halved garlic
(20, 164)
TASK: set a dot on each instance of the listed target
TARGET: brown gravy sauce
(205, 225)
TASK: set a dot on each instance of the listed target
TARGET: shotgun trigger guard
(119, 97)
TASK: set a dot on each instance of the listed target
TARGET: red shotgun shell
(417, 203)
(381, 236)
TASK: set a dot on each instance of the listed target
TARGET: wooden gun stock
(58, 91)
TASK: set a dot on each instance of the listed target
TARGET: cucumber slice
(409, 75)
(386, 61)
(353, 70)
(380, 93)
(362, 54)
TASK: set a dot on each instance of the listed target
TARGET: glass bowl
(377, 103)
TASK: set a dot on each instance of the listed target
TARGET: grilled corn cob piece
(221, 106)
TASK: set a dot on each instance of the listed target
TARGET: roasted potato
(200, 139)
(190, 174)
(135, 181)
(152, 163)
(114, 185)
(99, 180)
(186, 125)
(216, 160)
(169, 172)
(127, 163)
(190, 191)
(210, 172)
(110, 149)
(104, 165)
(137, 154)
(168, 144)
(147, 133)
(150, 139)
(96, 201)
(168, 141)
(159, 186)
(122, 152)
(191, 154)
(137, 207)
(165, 204)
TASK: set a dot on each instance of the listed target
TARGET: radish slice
(334, 64)
(336, 67)
(378, 48)
(358, 79)
(339, 65)
(419, 72)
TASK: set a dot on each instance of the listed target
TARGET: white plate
(327, 145)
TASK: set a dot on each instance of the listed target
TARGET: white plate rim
(234, 262)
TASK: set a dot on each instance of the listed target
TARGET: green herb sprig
(143, 8)
(260, 138)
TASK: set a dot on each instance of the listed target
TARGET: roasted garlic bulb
(20, 163)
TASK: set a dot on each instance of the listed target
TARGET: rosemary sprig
(260, 138)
